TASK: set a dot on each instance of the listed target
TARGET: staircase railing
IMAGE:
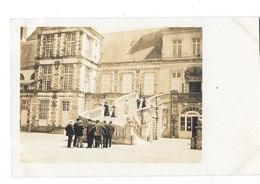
(151, 115)
(119, 103)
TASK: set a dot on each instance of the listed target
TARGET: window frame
(65, 105)
(43, 109)
(68, 77)
(196, 46)
(70, 44)
(46, 77)
(106, 84)
(177, 47)
(49, 45)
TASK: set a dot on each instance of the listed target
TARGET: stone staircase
(137, 125)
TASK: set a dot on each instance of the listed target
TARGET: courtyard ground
(51, 148)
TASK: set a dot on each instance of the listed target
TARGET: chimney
(23, 34)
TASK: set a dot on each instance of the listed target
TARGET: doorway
(195, 87)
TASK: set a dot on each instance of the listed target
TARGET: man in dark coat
(90, 133)
(105, 134)
(79, 133)
(98, 134)
(75, 126)
(69, 132)
(111, 129)
(143, 103)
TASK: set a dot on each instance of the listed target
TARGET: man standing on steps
(75, 126)
(143, 103)
(138, 103)
(111, 129)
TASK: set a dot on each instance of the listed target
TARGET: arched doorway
(188, 121)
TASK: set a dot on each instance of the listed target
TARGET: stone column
(199, 135)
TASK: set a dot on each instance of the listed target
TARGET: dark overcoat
(69, 130)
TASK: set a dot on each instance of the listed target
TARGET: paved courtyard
(51, 148)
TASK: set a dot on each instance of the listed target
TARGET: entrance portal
(189, 121)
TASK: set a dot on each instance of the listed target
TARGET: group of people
(141, 103)
(106, 110)
(99, 134)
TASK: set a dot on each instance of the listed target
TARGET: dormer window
(196, 46)
(177, 47)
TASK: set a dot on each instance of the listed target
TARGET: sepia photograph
(95, 95)
(135, 97)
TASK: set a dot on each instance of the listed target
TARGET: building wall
(64, 104)
(162, 72)
(187, 43)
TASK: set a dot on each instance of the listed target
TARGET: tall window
(46, 78)
(182, 127)
(105, 83)
(196, 46)
(65, 105)
(87, 81)
(176, 80)
(68, 75)
(70, 44)
(127, 83)
(177, 47)
(89, 47)
(24, 104)
(186, 123)
(149, 79)
(49, 42)
(44, 109)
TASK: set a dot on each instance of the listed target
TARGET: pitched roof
(34, 35)
(28, 53)
(131, 45)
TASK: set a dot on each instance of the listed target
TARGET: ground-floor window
(186, 124)
(43, 109)
(65, 105)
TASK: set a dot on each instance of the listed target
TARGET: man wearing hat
(69, 132)
(75, 126)
(79, 134)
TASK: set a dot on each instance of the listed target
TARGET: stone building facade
(65, 66)
(77, 69)
(156, 62)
